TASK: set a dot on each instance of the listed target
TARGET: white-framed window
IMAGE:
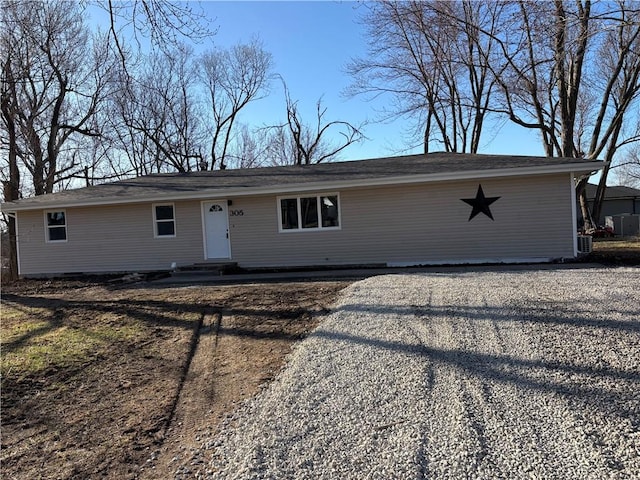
(309, 212)
(164, 220)
(55, 225)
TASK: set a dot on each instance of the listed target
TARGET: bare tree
(567, 70)
(249, 149)
(55, 78)
(233, 77)
(627, 171)
(165, 23)
(129, 151)
(298, 143)
(158, 124)
(572, 73)
(434, 60)
(11, 184)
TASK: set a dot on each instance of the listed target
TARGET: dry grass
(616, 251)
(91, 372)
(626, 243)
(79, 368)
(35, 339)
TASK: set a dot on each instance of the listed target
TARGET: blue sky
(311, 43)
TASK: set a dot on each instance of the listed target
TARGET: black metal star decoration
(480, 204)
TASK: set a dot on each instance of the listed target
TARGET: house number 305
(236, 213)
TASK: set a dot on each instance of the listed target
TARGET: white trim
(156, 221)
(47, 226)
(574, 214)
(310, 187)
(317, 196)
(18, 245)
(204, 229)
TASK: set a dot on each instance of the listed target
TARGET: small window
(164, 219)
(309, 213)
(56, 226)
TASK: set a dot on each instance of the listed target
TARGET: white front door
(216, 229)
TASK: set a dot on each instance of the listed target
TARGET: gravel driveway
(521, 374)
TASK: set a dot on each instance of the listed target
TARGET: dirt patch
(92, 372)
(615, 251)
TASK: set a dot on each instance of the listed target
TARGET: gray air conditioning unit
(585, 243)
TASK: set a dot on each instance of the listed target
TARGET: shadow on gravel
(610, 390)
(538, 315)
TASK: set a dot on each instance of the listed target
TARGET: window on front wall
(56, 226)
(164, 220)
(289, 214)
(312, 212)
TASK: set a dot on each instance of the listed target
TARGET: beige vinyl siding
(406, 224)
(417, 224)
(110, 239)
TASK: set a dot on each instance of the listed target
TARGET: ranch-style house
(439, 208)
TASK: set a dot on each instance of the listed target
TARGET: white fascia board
(317, 186)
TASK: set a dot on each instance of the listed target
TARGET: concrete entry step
(206, 268)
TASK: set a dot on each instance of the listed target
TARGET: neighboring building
(617, 201)
(412, 210)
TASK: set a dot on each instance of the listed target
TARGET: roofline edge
(573, 168)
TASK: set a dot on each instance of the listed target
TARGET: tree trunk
(12, 186)
(581, 194)
(596, 209)
(13, 247)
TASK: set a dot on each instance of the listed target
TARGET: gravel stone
(484, 375)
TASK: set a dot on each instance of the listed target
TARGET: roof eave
(574, 168)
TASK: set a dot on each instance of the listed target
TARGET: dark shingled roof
(612, 193)
(340, 174)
